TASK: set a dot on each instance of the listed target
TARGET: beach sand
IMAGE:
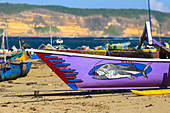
(42, 78)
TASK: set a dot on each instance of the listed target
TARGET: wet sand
(49, 100)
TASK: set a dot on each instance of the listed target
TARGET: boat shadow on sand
(69, 95)
(74, 93)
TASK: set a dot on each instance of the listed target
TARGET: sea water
(75, 42)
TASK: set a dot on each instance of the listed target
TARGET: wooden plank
(5, 55)
(24, 61)
(33, 60)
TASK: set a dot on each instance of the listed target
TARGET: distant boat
(59, 41)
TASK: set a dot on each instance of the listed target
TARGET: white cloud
(159, 6)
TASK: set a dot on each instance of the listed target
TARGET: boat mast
(51, 36)
(149, 14)
(138, 31)
(3, 46)
(20, 46)
(159, 31)
(6, 36)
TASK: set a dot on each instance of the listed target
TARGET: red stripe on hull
(57, 70)
(54, 58)
(61, 65)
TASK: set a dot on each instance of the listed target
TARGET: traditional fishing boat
(14, 66)
(17, 66)
(96, 72)
(82, 71)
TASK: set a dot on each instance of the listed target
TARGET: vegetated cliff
(30, 20)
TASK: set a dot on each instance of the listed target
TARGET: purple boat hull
(95, 72)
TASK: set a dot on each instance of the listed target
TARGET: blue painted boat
(15, 67)
(13, 71)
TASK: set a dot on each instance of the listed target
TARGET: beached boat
(17, 66)
(14, 65)
(96, 72)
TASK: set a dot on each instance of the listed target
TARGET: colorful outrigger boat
(17, 66)
(14, 65)
(98, 72)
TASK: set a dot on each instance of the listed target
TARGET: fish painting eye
(106, 66)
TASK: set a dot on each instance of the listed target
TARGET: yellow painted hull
(149, 50)
(151, 92)
(23, 57)
(99, 50)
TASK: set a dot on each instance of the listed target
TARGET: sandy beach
(17, 96)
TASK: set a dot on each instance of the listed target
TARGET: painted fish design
(117, 71)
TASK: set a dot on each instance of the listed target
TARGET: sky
(158, 5)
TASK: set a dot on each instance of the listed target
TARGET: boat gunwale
(99, 56)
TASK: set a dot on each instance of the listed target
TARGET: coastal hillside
(34, 20)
